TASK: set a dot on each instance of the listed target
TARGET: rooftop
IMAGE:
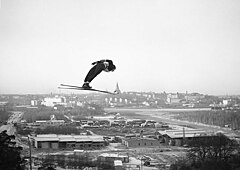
(112, 155)
(69, 138)
(186, 133)
(139, 139)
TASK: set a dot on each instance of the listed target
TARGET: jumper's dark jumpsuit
(102, 65)
(95, 70)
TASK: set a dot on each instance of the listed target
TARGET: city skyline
(172, 46)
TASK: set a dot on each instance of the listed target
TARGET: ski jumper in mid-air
(99, 66)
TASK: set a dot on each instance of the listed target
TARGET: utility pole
(30, 153)
(184, 139)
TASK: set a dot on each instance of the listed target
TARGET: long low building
(53, 141)
(110, 157)
(180, 137)
(140, 142)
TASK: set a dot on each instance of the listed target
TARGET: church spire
(117, 90)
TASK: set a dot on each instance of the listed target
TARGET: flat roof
(41, 121)
(118, 163)
(112, 155)
(57, 121)
(65, 136)
(139, 139)
(69, 138)
(186, 135)
(181, 130)
(47, 135)
(46, 138)
(77, 150)
(42, 139)
(180, 134)
(83, 140)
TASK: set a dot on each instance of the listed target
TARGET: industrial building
(53, 141)
(53, 121)
(49, 122)
(140, 142)
(179, 137)
(111, 157)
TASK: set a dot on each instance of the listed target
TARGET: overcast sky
(156, 45)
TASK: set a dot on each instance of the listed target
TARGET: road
(9, 127)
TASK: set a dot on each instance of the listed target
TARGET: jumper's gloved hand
(101, 61)
(95, 62)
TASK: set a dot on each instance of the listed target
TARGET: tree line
(10, 153)
(218, 118)
(212, 153)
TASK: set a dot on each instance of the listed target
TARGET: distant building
(53, 141)
(34, 102)
(49, 122)
(53, 121)
(118, 165)
(145, 103)
(179, 137)
(226, 102)
(52, 101)
(193, 97)
(111, 157)
(173, 98)
(140, 142)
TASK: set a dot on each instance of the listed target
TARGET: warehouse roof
(186, 133)
(139, 139)
(113, 155)
(69, 138)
